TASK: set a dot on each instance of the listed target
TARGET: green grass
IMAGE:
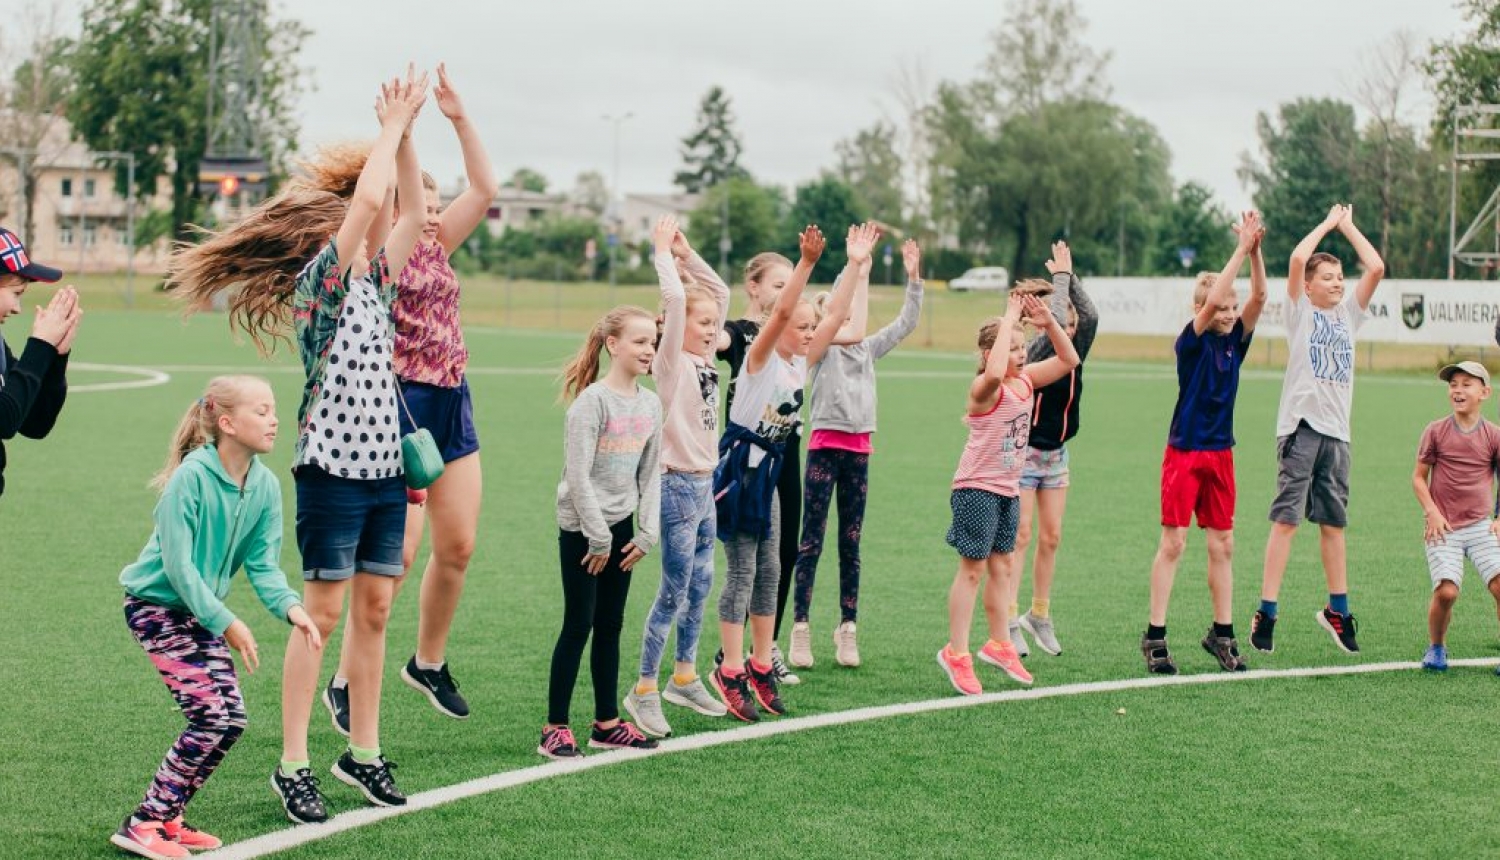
(1261, 768)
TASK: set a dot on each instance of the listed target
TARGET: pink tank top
(429, 343)
(995, 453)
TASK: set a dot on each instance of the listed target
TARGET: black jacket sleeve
(33, 390)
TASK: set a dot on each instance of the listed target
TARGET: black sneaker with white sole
(373, 780)
(300, 796)
(1263, 632)
(336, 700)
(438, 686)
(1341, 627)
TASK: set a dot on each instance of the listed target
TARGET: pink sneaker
(190, 837)
(960, 672)
(1006, 659)
(147, 839)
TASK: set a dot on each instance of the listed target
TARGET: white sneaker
(1017, 639)
(1042, 631)
(645, 709)
(802, 655)
(778, 665)
(846, 646)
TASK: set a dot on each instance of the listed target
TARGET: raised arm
(1369, 258)
(1060, 265)
(811, 242)
(860, 244)
(1222, 292)
(1296, 278)
(467, 211)
(1251, 309)
(885, 340)
(705, 275)
(396, 108)
(986, 385)
(673, 306)
(1050, 370)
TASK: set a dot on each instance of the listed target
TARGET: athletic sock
(365, 755)
(1039, 608)
(645, 687)
(1339, 603)
(339, 682)
(758, 667)
(1015, 611)
(429, 667)
(684, 680)
(1224, 631)
(1001, 646)
(290, 768)
(1156, 632)
(1268, 608)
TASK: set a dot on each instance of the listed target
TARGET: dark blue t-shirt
(1208, 378)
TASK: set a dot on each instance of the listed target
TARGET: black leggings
(789, 493)
(591, 604)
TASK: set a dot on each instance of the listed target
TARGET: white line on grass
(149, 377)
(282, 840)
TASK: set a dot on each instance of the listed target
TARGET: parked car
(985, 278)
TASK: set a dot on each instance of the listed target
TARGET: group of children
(351, 261)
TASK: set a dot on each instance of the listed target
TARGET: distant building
(516, 208)
(640, 212)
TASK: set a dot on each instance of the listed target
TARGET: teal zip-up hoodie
(207, 528)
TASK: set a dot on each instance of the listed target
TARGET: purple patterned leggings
(828, 468)
(196, 666)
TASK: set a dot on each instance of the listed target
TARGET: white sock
(429, 667)
(339, 682)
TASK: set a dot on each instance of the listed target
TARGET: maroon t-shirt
(1463, 468)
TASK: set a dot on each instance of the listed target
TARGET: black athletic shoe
(736, 695)
(1341, 627)
(767, 691)
(624, 736)
(336, 700)
(719, 657)
(1158, 658)
(1263, 632)
(373, 780)
(439, 687)
(1226, 650)
(300, 796)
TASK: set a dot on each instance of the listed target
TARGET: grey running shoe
(1041, 632)
(1226, 650)
(695, 696)
(1017, 639)
(802, 655)
(645, 708)
(846, 645)
(780, 670)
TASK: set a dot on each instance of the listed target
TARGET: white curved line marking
(281, 840)
(150, 378)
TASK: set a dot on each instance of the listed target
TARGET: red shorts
(1197, 482)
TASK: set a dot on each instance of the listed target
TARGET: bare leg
(1164, 570)
(1278, 550)
(1000, 567)
(1335, 561)
(1221, 575)
(1440, 612)
(369, 610)
(453, 508)
(324, 602)
(1050, 505)
(961, 603)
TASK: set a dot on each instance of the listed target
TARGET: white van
(986, 278)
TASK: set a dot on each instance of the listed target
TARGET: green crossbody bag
(420, 458)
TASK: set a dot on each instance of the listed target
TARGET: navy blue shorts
(447, 413)
(346, 524)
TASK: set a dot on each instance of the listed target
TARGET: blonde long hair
(581, 372)
(200, 424)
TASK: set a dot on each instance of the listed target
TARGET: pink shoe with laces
(1004, 656)
(960, 671)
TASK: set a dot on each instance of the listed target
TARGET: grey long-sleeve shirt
(612, 466)
(843, 382)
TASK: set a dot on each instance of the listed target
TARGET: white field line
(282, 840)
(149, 377)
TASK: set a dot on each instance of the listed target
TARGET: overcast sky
(539, 76)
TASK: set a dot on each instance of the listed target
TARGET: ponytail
(583, 370)
(200, 424)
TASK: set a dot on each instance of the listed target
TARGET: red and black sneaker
(735, 693)
(767, 691)
(621, 736)
(1341, 627)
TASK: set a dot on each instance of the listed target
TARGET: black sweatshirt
(1054, 417)
(32, 391)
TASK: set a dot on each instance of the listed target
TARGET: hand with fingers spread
(446, 96)
(1034, 311)
(665, 234)
(304, 623)
(860, 243)
(1248, 231)
(811, 243)
(911, 258)
(240, 638)
(632, 554)
(1062, 258)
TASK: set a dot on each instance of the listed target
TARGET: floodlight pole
(614, 202)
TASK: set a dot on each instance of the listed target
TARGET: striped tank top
(995, 453)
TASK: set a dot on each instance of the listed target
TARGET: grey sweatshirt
(843, 381)
(611, 466)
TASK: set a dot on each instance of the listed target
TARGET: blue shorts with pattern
(984, 523)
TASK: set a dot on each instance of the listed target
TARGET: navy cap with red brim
(15, 261)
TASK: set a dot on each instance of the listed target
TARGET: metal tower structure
(1476, 139)
(234, 164)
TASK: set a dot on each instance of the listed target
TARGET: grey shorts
(1312, 479)
(984, 523)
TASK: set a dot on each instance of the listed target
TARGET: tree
(870, 166)
(754, 218)
(1466, 70)
(1192, 220)
(1389, 72)
(141, 74)
(590, 192)
(1039, 58)
(711, 154)
(527, 179)
(830, 204)
(33, 94)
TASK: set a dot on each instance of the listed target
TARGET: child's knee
(1173, 542)
(1220, 546)
(1446, 591)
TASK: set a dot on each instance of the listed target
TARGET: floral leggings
(198, 671)
(849, 472)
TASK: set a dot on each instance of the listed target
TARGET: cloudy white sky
(539, 77)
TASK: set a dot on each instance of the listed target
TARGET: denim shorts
(1045, 470)
(346, 525)
(446, 413)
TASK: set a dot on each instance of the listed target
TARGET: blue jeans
(688, 529)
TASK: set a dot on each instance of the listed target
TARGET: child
(1044, 483)
(1312, 422)
(692, 317)
(986, 486)
(1454, 482)
(751, 455)
(612, 470)
(838, 454)
(1197, 472)
(430, 361)
(351, 499)
(33, 388)
(220, 510)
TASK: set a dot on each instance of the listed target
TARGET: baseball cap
(15, 261)
(1473, 368)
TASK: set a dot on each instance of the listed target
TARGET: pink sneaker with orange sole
(147, 839)
(960, 671)
(1004, 657)
(190, 837)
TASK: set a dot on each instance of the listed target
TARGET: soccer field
(1390, 763)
